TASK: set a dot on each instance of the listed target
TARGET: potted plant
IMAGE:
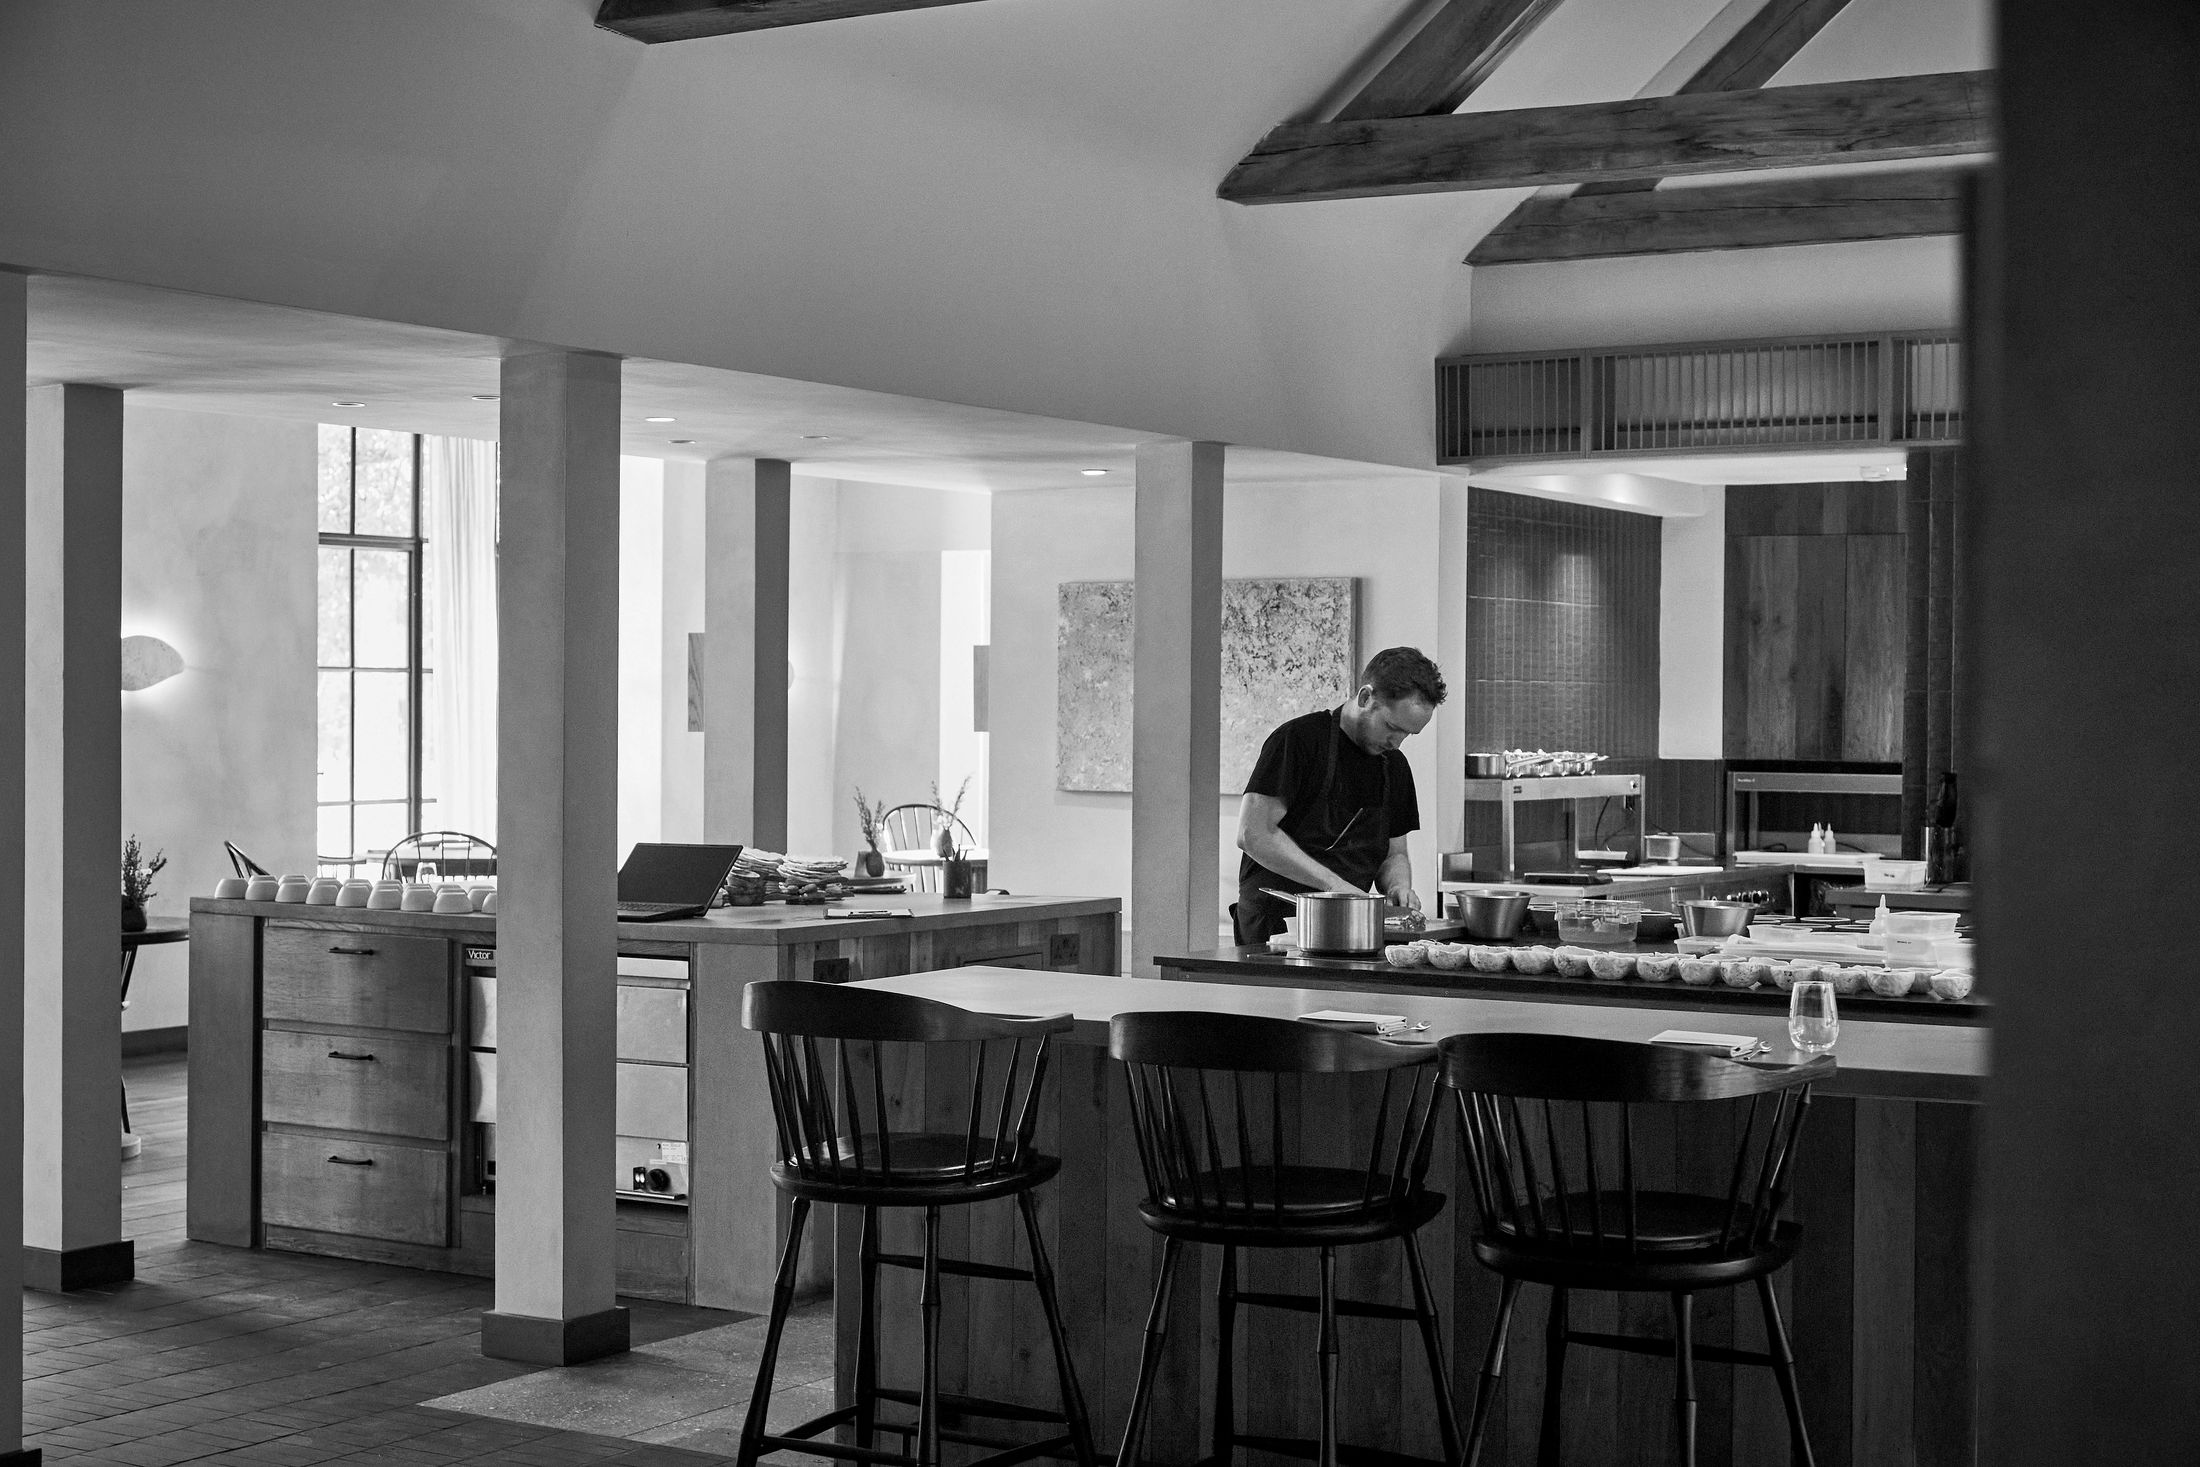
(944, 818)
(137, 882)
(872, 818)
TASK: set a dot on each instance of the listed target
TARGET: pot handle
(1282, 896)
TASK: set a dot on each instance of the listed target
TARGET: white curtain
(458, 504)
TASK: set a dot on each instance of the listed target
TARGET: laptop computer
(662, 883)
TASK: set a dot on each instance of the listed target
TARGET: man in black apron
(1330, 800)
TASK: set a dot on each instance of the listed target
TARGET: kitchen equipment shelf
(1508, 794)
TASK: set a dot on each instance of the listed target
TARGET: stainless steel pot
(1716, 919)
(1493, 916)
(1333, 922)
(1485, 766)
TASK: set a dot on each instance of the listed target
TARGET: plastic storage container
(1884, 873)
(1598, 923)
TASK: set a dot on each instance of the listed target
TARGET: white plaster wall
(1391, 536)
(813, 657)
(641, 641)
(682, 772)
(217, 561)
(1692, 633)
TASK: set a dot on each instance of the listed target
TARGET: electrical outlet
(832, 970)
(1064, 950)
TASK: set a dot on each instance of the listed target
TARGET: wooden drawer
(362, 1188)
(376, 980)
(388, 1084)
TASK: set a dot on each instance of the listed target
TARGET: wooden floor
(223, 1355)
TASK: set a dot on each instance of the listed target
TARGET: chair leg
(928, 1407)
(1432, 1341)
(760, 1398)
(1149, 1356)
(1327, 1345)
(1554, 1381)
(867, 1333)
(1783, 1370)
(1684, 1378)
(1226, 1298)
(1042, 1274)
(1493, 1370)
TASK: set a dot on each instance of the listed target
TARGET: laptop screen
(688, 875)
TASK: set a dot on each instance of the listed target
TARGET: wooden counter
(1878, 1302)
(286, 998)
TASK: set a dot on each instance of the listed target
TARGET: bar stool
(827, 1048)
(1208, 1095)
(1565, 1196)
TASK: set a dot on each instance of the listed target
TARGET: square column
(14, 323)
(745, 536)
(72, 820)
(557, 797)
(1176, 714)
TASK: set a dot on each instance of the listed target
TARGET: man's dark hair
(1396, 672)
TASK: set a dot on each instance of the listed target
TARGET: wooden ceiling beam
(656, 21)
(1453, 52)
(1751, 57)
(1827, 209)
(1653, 137)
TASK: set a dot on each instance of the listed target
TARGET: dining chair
(1588, 1159)
(453, 855)
(910, 828)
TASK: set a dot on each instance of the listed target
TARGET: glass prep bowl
(1598, 923)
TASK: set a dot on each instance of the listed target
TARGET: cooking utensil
(1332, 922)
(1485, 766)
(1493, 916)
(1715, 919)
(1658, 927)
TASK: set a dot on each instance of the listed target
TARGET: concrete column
(745, 532)
(1176, 717)
(13, 325)
(72, 824)
(1443, 800)
(557, 797)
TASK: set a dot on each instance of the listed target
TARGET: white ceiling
(199, 353)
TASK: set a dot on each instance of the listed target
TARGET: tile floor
(222, 1355)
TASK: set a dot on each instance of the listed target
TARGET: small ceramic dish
(1612, 967)
(1571, 962)
(1890, 982)
(1490, 959)
(1699, 972)
(230, 888)
(1450, 956)
(1745, 972)
(1657, 967)
(354, 893)
(1531, 960)
(1847, 978)
(1402, 955)
(1950, 983)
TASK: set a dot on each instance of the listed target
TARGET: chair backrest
(454, 854)
(242, 864)
(910, 827)
(828, 1049)
(1567, 1139)
(1227, 1110)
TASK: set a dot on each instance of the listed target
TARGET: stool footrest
(975, 1406)
(1309, 1304)
(960, 1267)
(1652, 1345)
(1348, 1455)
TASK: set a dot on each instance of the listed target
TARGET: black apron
(1351, 841)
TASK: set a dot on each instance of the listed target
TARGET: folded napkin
(1733, 1046)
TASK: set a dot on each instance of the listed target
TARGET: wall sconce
(146, 661)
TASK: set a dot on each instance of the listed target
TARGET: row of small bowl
(378, 896)
(1700, 972)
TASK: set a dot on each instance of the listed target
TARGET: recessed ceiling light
(485, 397)
(680, 440)
(818, 437)
(347, 404)
(1092, 473)
(660, 420)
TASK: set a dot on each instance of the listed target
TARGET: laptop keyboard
(650, 909)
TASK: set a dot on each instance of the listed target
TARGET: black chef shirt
(1290, 769)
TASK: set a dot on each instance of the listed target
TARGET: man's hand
(1404, 896)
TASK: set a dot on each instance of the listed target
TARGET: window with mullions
(370, 643)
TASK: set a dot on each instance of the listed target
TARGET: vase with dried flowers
(871, 817)
(944, 821)
(137, 882)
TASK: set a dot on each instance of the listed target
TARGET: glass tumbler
(1814, 1023)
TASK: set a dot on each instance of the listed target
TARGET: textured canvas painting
(1289, 646)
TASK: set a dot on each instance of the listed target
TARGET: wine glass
(1814, 1023)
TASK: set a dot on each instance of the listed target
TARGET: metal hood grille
(1887, 390)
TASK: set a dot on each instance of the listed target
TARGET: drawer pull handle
(339, 1054)
(353, 952)
(352, 1160)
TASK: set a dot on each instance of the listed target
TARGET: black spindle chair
(1600, 1164)
(1223, 1165)
(827, 1051)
